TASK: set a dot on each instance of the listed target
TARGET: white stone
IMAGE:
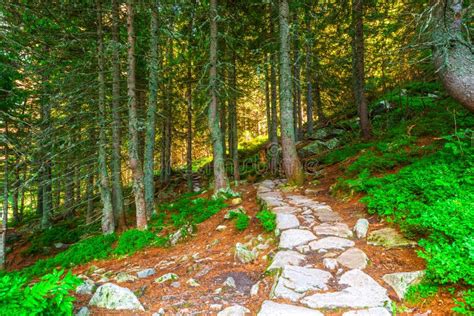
(270, 308)
(112, 296)
(286, 257)
(375, 311)
(229, 282)
(330, 264)
(335, 229)
(235, 310)
(361, 228)
(353, 258)
(84, 311)
(124, 277)
(331, 243)
(286, 221)
(243, 254)
(192, 282)
(221, 228)
(86, 288)
(303, 249)
(362, 292)
(294, 282)
(295, 237)
(254, 289)
(402, 280)
(167, 277)
(285, 210)
(215, 307)
(146, 273)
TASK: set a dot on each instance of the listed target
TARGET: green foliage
(465, 307)
(48, 237)
(192, 211)
(267, 220)
(49, 296)
(97, 247)
(134, 240)
(421, 290)
(242, 221)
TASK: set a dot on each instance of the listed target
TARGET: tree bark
(233, 120)
(149, 161)
(309, 78)
(358, 73)
(46, 196)
(220, 177)
(134, 160)
(108, 223)
(116, 163)
(291, 162)
(453, 54)
(4, 218)
(274, 148)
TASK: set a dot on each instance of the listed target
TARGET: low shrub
(49, 296)
(242, 221)
(134, 240)
(267, 220)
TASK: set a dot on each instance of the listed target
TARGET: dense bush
(134, 240)
(242, 221)
(49, 296)
(267, 220)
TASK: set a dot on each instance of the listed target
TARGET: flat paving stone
(270, 308)
(285, 210)
(286, 257)
(295, 237)
(287, 221)
(331, 243)
(362, 292)
(295, 281)
(353, 258)
(336, 229)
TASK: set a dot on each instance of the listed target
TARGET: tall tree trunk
(45, 160)
(291, 162)
(220, 177)
(297, 82)
(69, 189)
(267, 95)
(233, 120)
(3, 234)
(309, 78)
(135, 163)
(453, 54)
(358, 73)
(116, 163)
(167, 122)
(151, 114)
(189, 134)
(317, 91)
(108, 224)
(90, 194)
(16, 193)
(274, 148)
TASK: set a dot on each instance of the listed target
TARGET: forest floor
(208, 258)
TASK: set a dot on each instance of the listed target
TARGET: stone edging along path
(317, 268)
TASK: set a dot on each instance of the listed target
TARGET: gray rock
(192, 283)
(221, 228)
(180, 234)
(375, 311)
(243, 254)
(362, 292)
(295, 237)
(83, 311)
(112, 296)
(326, 215)
(235, 310)
(270, 308)
(286, 221)
(254, 289)
(336, 229)
(330, 264)
(167, 277)
(285, 210)
(175, 284)
(146, 273)
(294, 282)
(86, 288)
(331, 243)
(388, 238)
(124, 277)
(402, 280)
(160, 312)
(215, 307)
(353, 258)
(361, 228)
(229, 282)
(286, 257)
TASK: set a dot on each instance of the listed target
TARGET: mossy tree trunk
(220, 177)
(134, 160)
(291, 162)
(4, 218)
(108, 223)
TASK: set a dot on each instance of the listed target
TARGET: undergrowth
(267, 220)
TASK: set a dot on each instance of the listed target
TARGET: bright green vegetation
(49, 296)
(242, 221)
(267, 220)
(134, 240)
(432, 196)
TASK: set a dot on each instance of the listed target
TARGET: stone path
(312, 235)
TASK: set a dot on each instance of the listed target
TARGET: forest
(237, 157)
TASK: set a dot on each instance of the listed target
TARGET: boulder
(146, 273)
(86, 288)
(402, 280)
(361, 228)
(270, 308)
(389, 238)
(353, 258)
(243, 254)
(235, 310)
(292, 238)
(83, 311)
(112, 296)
